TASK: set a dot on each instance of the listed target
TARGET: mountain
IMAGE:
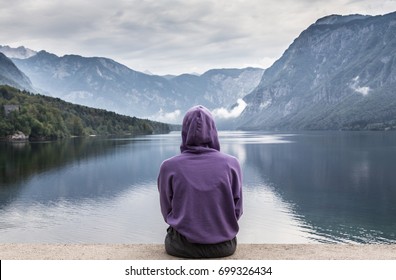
(104, 83)
(218, 87)
(340, 73)
(97, 82)
(11, 75)
(20, 52)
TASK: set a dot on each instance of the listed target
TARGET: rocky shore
(18, 136)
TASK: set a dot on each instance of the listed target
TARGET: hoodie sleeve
(237, 189)
(164, 183)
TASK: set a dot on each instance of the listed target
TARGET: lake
(304, 187)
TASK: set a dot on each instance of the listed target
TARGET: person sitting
(200, 192)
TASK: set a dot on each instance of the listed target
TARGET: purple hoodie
(201, 189)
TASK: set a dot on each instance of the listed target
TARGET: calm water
(298, 188)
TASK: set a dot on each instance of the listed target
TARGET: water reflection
(120, 219)
(340, 183)
(298, 188)
(75, 169)
(267, 218)
(103, 192)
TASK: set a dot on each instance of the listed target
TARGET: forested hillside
(42, 117)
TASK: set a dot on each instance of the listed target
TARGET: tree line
(46, 118)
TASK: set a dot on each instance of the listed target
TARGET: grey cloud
(170, 36)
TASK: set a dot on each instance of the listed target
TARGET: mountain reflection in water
(298, 188)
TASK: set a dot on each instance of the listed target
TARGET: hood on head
(199, 130)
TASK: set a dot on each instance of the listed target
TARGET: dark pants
(178, 246)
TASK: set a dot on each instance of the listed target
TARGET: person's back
(200, 192)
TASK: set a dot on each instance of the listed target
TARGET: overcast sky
(171, 36)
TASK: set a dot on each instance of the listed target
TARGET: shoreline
(32, 251)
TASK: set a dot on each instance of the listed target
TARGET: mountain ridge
(104, 83)
(333, 76)
(339, 73)
(19, 52)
